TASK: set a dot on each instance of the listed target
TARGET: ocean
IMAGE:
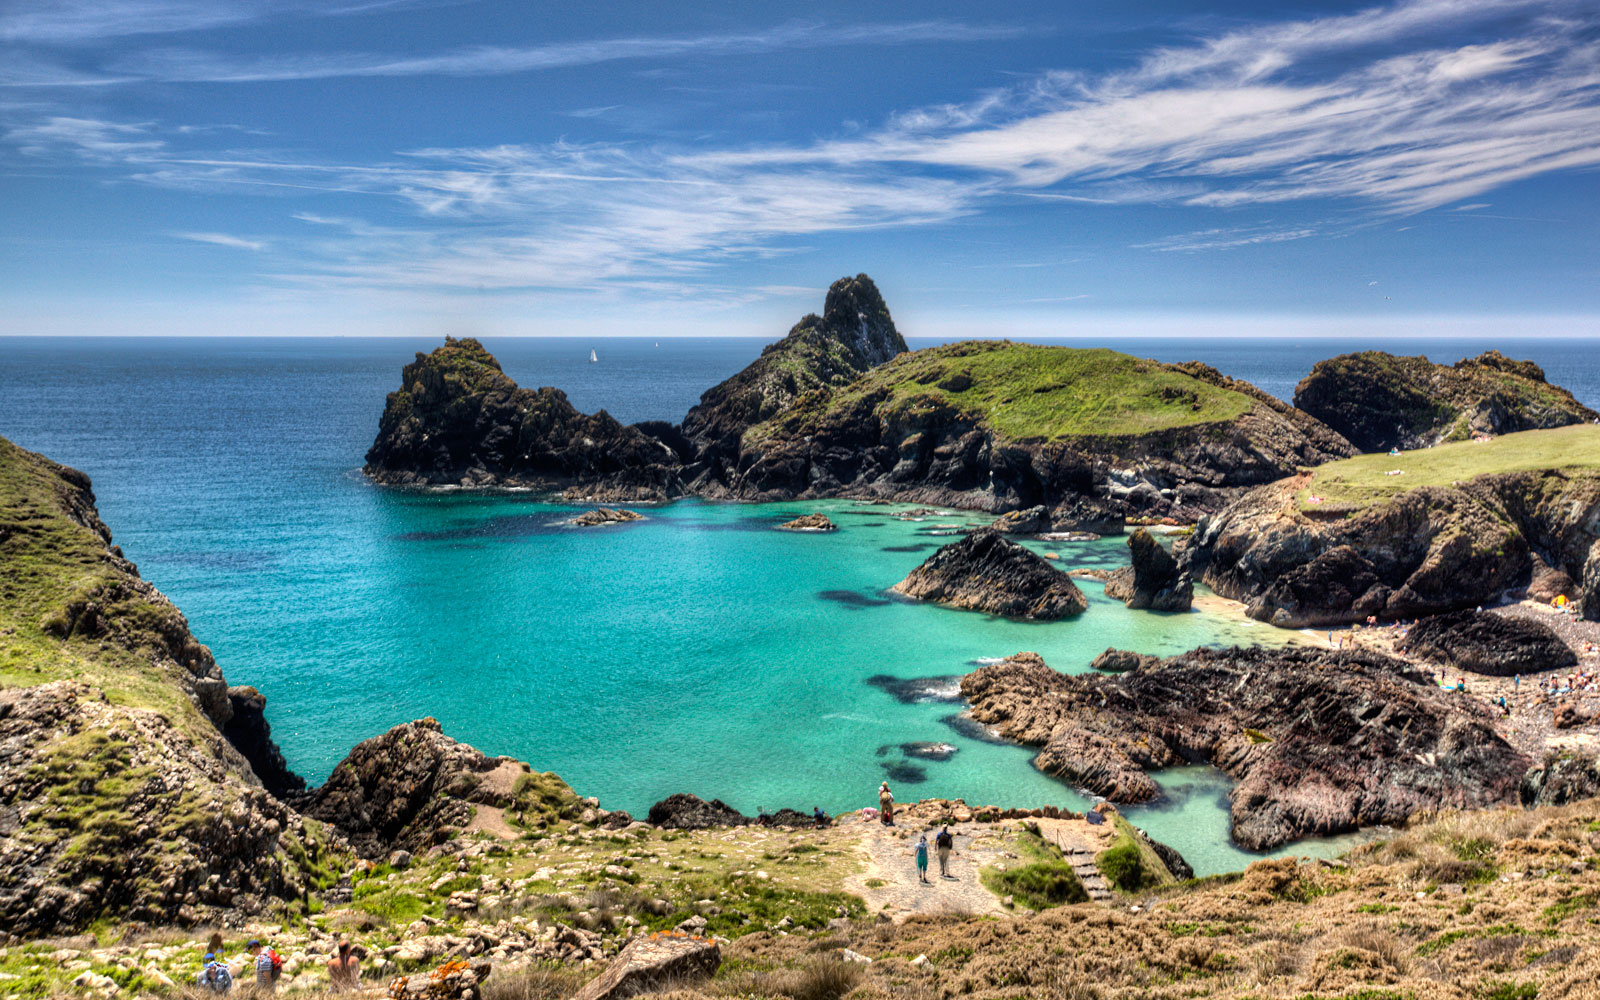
(697, 650)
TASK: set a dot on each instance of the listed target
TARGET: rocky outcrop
(455, 980)
(414, 787)
(1487, 643)
(942, 425)
(605, 515)
(986, 572)
(458, 420)
(1154, 581)
(1428, 550)
(651, 961)
(1589, 590)
(250, 734)
(1320, 742)
(855, 333)
(808, 522)
(690, 812)
(1560, 778)
(1379, 401)
(1120, 661)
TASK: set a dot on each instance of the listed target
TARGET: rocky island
(987, 572)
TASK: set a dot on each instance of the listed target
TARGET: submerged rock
(985, 572)
(808, 522)
(690, 812)
(1154, 581)
(1319, 742)
(606, 515)
(1487, 643)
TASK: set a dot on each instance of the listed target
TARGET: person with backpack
(819, 819)
(214, 977)
(943, 845)
(269, 966)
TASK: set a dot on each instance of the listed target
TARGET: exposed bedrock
(1153, 581)
(1487, 643)
(986, 572)
(1319, 742)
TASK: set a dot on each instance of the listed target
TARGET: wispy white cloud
(76, 22)
(1224, 239)
(223, 240)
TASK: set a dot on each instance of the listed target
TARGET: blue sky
(412, 167)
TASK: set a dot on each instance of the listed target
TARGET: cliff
(1400, 537)
(1319, 742)
(1380, 401)
(121, 795)
(457, 419)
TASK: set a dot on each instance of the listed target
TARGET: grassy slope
(52, 565)
(1362, 481)
(1029, 392)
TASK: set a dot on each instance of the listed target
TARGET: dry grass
(544, 982)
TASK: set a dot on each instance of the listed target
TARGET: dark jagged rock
(250, 734)
(1120, 661)
(1320, 742)
(606, 515)
(1487, 643)
(690, 812)
(986, 572)
(1175, 862)
(1033, 521)
(854, 333)
(458, 420)
(1153, 581)
(1428, 550)
(1379, 401)
(808, 522)
(414, 787)
(1589, 591)
(1561, 778)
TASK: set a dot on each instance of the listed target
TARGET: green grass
(1026, 392)
(1038, 886)
(1130, 864)
(1356, 483)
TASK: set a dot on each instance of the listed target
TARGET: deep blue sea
(698, 650)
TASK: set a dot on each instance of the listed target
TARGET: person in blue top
(215, 977)
(922, 859)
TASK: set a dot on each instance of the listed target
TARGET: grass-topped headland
(1028, 392)
(1356, 483)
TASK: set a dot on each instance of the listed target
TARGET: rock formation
(1154, 581)
(808, 522)
(1487, 643)
(606, 515)
(1427, 550)
(1589, 592)
(690, 812)
(457, 419)
(1560, 778)
(120, 795)
(986, 572)
(1320, 742)
(413, 787)
(651, 961)
(1379, 401)
(1120, 661)
(249, 732)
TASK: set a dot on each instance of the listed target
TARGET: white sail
(592, 357)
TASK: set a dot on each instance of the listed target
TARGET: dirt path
(889, 883)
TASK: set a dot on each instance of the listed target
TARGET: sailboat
(592, 357)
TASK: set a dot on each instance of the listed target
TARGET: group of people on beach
(265, 967)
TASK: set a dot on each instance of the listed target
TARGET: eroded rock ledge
(1320, 742)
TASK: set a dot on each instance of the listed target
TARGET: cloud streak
(223, 240)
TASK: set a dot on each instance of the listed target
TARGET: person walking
(344, 969)
(885, 804)
(922, 859)
(944, 844)
(214, 977)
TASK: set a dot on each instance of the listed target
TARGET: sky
(425, 167)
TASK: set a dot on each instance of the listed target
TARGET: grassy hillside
(1030, 392)
(1359, 482)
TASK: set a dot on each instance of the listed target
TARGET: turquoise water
(698, 650)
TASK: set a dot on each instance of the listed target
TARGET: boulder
(1560, 778)
(1546, 583)
(1120, 661)
(461, 979)
(1589, 594)
(652, 960)
(1033, 521)
(986, 572)
(1486, 643)
(808, 522)
(1570, 715)
(690, 812)
(606, 515)
(1319, 742)
(1153, 581)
